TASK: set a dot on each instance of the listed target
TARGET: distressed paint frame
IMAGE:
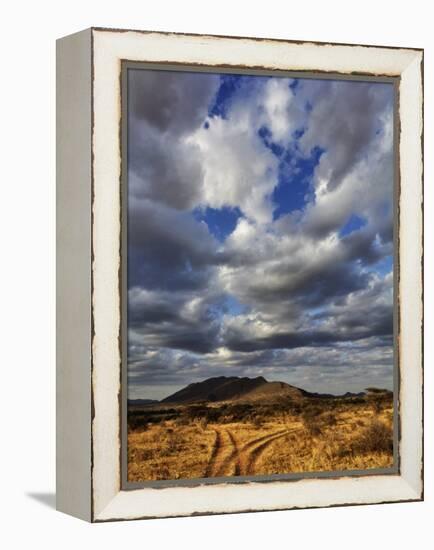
(108, 48)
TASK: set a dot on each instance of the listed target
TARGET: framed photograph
(239, 260)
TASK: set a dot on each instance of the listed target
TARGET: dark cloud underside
(260, 231)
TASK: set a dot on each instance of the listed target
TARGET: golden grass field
(236, 439)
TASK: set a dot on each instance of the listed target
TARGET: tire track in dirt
(216, 449)
(228, 458)
(238, 459)
(257, 451)
(249, 448)
(232, 461)
(223, 454)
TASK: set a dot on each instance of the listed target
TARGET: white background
(27, 300)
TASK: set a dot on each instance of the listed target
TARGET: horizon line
(326, 393)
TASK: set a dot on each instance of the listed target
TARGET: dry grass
(221, 440)
(169, 451)
(355, 440)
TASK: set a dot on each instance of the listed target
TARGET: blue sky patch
(295, 177)
(227, 305)
(231, 306)
(354, 223)
(220, 221)
(229, 84)
(294, 84)
(265, 134)
(298, 133)
(384, 266)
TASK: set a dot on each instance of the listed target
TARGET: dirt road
(229, 458)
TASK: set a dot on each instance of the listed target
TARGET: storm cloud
(260, 231)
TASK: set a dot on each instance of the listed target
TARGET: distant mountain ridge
(139, 402)
(234, 388)
(245, 389)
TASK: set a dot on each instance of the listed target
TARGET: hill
(234, 388)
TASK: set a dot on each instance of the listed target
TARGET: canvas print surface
(259, 261)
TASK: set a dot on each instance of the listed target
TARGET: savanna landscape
(260, 274)
(231, 426)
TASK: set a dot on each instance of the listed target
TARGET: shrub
(257, 422)
(295, 408)
(137, 422)
(203, 423)
(377, 406)
(212, 415)
(162, 472)
(311, 422)
(329, 419)
(376, 437)
(145, 454)
(313, 429)
(311, 411)
(182, 421)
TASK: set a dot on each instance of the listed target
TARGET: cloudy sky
(260, 231)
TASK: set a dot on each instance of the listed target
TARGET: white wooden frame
(88, 267)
